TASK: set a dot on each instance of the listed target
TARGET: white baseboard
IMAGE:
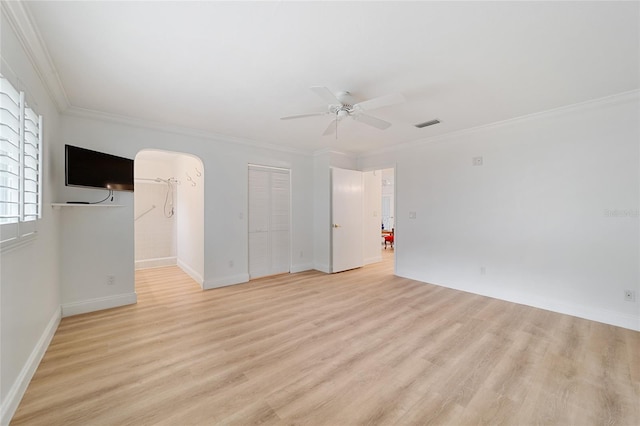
(16, 392)
(155, 263)
(605, 316)
(223, 282)
(301, 268)
(191, 272)
(92, 305)
(371, 260)
(322, 268)
(594, 314)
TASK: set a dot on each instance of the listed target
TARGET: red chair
(388, 239)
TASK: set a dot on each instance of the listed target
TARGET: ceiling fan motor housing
(345, 98)
(348, 107)
(341, 110)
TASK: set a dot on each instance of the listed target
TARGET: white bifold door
(269, 221)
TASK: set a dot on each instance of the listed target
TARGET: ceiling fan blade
(313, 114)
(331, 128)
(371, 121)
(325, 94)
(379, 102)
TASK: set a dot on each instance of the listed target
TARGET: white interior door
(269, 219)
(346, 219)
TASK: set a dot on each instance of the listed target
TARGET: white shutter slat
(258, 201)
(20, 165)
(269, 211)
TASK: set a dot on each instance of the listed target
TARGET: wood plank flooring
(360, 347)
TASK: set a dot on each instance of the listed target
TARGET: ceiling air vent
(427, 123)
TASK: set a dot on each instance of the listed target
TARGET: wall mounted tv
(87, 168)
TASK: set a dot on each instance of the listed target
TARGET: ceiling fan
(341, 106)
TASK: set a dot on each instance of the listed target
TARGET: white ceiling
(234, 68)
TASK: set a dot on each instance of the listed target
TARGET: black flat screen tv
(93, 169)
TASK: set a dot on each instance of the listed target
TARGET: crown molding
(178, 130)
(618, 98)
(33, 45)
(324, 151)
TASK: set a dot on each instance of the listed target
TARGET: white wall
(225, 205)
(321, 212)
(96, 242)
(29, 274)
(190, 214)
(534, 216)
(155, 230)
(371, 222)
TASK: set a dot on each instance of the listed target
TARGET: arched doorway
(169, 211)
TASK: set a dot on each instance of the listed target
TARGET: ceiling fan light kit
(341, 106)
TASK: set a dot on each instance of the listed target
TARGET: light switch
(412, 215)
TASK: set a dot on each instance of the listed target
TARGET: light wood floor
(360, 347)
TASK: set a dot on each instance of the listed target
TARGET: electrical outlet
(483, 270)
(301, 254)
(111, 279)
(231, 264)
(630, 295)
(477, 161)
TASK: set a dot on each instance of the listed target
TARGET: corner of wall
(191, 272)
(301, 268)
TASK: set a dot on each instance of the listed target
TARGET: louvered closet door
(269, 221)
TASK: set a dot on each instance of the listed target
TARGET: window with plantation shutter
(20, 166)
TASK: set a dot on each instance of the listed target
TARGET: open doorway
(379, 216)
(169, 212)
(388, 223)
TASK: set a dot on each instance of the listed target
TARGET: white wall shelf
(58, 205)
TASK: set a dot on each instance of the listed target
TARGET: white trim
(178, 130)
(18, 242)
(191, 272)
(16, 392)
(591, 313)
(32, 42)
(322, 267)
(260, 166)
(605, 316)
(225, 281)
(301, 268)
(98, 304)
(157, 262)
(323, 151)
(593, 103)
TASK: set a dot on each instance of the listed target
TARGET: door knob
(335, 225)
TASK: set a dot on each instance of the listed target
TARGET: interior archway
(169, 211)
